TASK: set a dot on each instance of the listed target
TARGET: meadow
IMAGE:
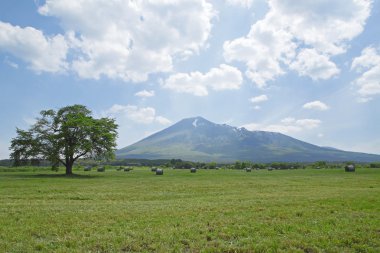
(304, 210)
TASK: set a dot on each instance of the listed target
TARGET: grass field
(210, 211)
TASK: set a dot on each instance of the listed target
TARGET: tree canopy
(64, 136)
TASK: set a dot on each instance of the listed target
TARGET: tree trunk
(69, 169)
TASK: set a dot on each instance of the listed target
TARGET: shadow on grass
(73, 176)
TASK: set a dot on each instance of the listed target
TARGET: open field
(209, 211)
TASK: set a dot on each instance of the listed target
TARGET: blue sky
(310, 70)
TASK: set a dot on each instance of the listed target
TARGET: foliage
(374, 165)
(64, 136)
(320, 164)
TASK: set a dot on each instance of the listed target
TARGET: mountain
(197, 139)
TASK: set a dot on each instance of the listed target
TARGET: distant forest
(180, 164)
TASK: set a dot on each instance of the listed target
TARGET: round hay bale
(159, 172)
(349, 168)
(248, 169)
(87, 168)
(153, 169)
(127, 169)
(193, 170)
(101, 169)
(270, 168)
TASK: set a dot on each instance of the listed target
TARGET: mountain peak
(197, 139)
(196, 121)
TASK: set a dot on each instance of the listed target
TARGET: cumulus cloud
(262, 50)
(162, 120)
(224, 77)
(290, 33)
(145, 93)
(316, 105)
(286, 126)
(142, 115)
(129, 40)
(315, 65)
(368, 65)
(116, 39)
(259, 99)
(42, 53)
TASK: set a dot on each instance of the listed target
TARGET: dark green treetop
(66, 135)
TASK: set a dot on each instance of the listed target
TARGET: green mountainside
(197, 139)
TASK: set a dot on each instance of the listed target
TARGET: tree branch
(82, 154)
(62, 162)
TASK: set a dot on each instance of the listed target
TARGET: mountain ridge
(198, 139)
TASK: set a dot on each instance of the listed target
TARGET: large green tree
(64, 136)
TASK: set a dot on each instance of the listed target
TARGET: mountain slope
(197, 139)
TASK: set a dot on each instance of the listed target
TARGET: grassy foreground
(209, 211)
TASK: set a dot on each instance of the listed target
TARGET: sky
(309, 69)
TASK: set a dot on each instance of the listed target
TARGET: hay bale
(101, 169)
(87, 168)
(349, 168)
(159, 171)
(270, 168)
(193, 170)
(153, 169)
(127, 169)
(248, 169)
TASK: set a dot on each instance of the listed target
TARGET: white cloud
(368, 64)
(317, 66)
(288, 121)
(286, 126)
(224, 77)
(11, 63)
(252, 126)
(368, 58)
(42, 53)
(259, 99)
(284, 129)
(316, 105)
(162, 120)
(323, 27)
(129, 40)
(262, 50)
(308, 123)
(242, 3)
(145, 94)
(142, 115)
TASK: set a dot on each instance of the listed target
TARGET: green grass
(209, 211)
